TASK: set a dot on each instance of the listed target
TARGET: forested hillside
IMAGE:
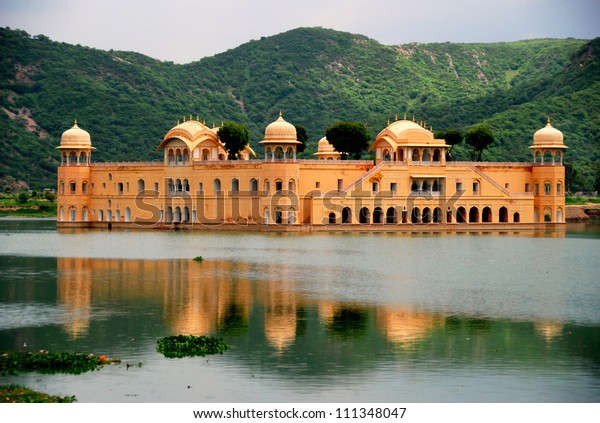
(315, 76)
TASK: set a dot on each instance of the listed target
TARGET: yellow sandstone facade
(410, 183)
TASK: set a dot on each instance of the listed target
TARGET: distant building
(410, 182)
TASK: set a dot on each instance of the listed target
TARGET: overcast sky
(186, 30)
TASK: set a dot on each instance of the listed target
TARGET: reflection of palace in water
(208, 297)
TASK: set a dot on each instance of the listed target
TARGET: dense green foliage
(235, 136)
(20, 394)
(190, 346)
(349, 138)
(316, 76)
(479, 137)
(23, 204)
(49, 362)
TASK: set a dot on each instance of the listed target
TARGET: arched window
(437, 215)
(127, 214)
(436, 155)
(178, 185)
(267, 186)
(516, 217)
(378, 215)
(386, 155)
(391, 217)
(559, 215)
(426, 218)
(109, 215)
(292, 185)
(502, 215)
(117, 215)
(400, 154)
(186, 214)
(186, 185)
(426, 185)
(415, 155)
(364, 216)
(548, 157)
(141, 186)
(267, 215)
(449, 216)
(436, 186)
(85, 214)
(100, 215)
(235, 185)
(414, 186)
(426, 155)
(205, 154)
(169, 214)
(177, 215)
(473, 215)
(537, 157)
(253, 185)
(346, 215)
(278, 216)
(415, 215)
(291, 216)
(171, 186)
(461, 215)
(217, 186)
(72, 213)
(547, 214)
(332, 218)
(186, 156)
(486, 215)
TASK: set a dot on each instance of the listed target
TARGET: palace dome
(548, 136)
(324, 145)
(280, 130)
(75, 137)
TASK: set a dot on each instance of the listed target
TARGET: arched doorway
(473, 215)
(378, 215)
(365, 216)
(486, 216)
(461, 215)
(391, 217)
(346, 215)
(503, 215)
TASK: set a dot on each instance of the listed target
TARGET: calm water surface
(434, 317)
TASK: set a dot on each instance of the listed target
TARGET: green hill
(315, 76)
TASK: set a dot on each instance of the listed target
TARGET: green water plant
(49, 362)
(198, 259)
(20, 394)
(179, 346)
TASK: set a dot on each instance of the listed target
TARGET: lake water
(333, 317)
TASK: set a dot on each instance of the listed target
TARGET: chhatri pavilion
(410, 183)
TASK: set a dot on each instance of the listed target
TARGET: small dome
(324, 145)
(75, 138)
(548, 136)
(280, 130)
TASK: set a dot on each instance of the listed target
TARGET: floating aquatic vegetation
(20, 394)
(198, 258)
(49, 362)
(190, 346)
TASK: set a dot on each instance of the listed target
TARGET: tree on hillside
(348, 137)
(235, 137)
(479, 137)
(452, 137)
(302, 136)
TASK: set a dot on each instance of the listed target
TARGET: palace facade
(410, 183)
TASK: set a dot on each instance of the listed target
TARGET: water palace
(409, 184)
